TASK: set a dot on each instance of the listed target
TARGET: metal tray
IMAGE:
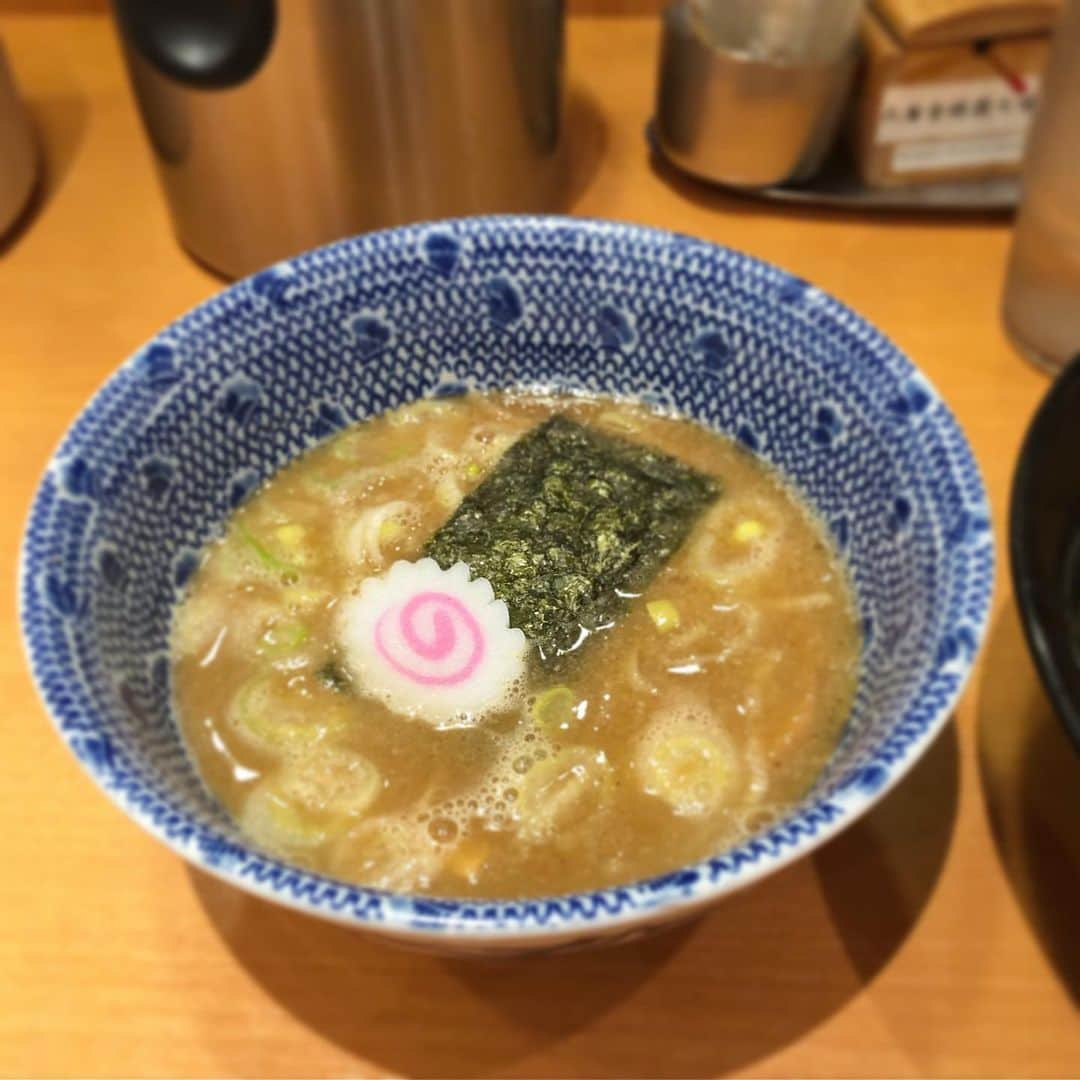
(837, 183)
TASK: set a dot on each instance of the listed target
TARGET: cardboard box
(948, 90)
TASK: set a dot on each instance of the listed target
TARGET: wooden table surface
(938, 936)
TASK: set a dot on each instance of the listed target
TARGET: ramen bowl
(192, 423)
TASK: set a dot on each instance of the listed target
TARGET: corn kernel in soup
(368, 711)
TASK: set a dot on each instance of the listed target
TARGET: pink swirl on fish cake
(433, 644)
(433, 639)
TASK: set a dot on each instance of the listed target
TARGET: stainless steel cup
(741, 120)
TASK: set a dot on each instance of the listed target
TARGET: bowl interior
(224, 396)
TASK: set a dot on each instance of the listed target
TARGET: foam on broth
(702, 714)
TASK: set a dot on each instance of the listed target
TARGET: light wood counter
(939, 936)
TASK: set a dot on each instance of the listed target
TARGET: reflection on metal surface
(741, 121)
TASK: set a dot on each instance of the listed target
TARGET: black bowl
(1044, 543)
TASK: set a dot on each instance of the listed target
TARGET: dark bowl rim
(1022, 515)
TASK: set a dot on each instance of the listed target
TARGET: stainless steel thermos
(277, 125)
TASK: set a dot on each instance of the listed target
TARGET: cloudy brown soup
(670, 688)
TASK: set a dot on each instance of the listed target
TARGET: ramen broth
(694, 718)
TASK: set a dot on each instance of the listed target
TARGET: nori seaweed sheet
(567, 520)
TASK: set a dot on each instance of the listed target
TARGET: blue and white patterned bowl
(228, 393)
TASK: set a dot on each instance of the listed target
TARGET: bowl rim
(427, 921)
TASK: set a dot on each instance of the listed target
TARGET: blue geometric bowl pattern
(229, 392)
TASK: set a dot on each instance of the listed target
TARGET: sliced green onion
(664, 614)
(266, 714)
(298, 598)
(747, 531)
(283, 638)
(390, 530)
(290, 535)
(265, 557)
(691, 771)
(553, 710)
